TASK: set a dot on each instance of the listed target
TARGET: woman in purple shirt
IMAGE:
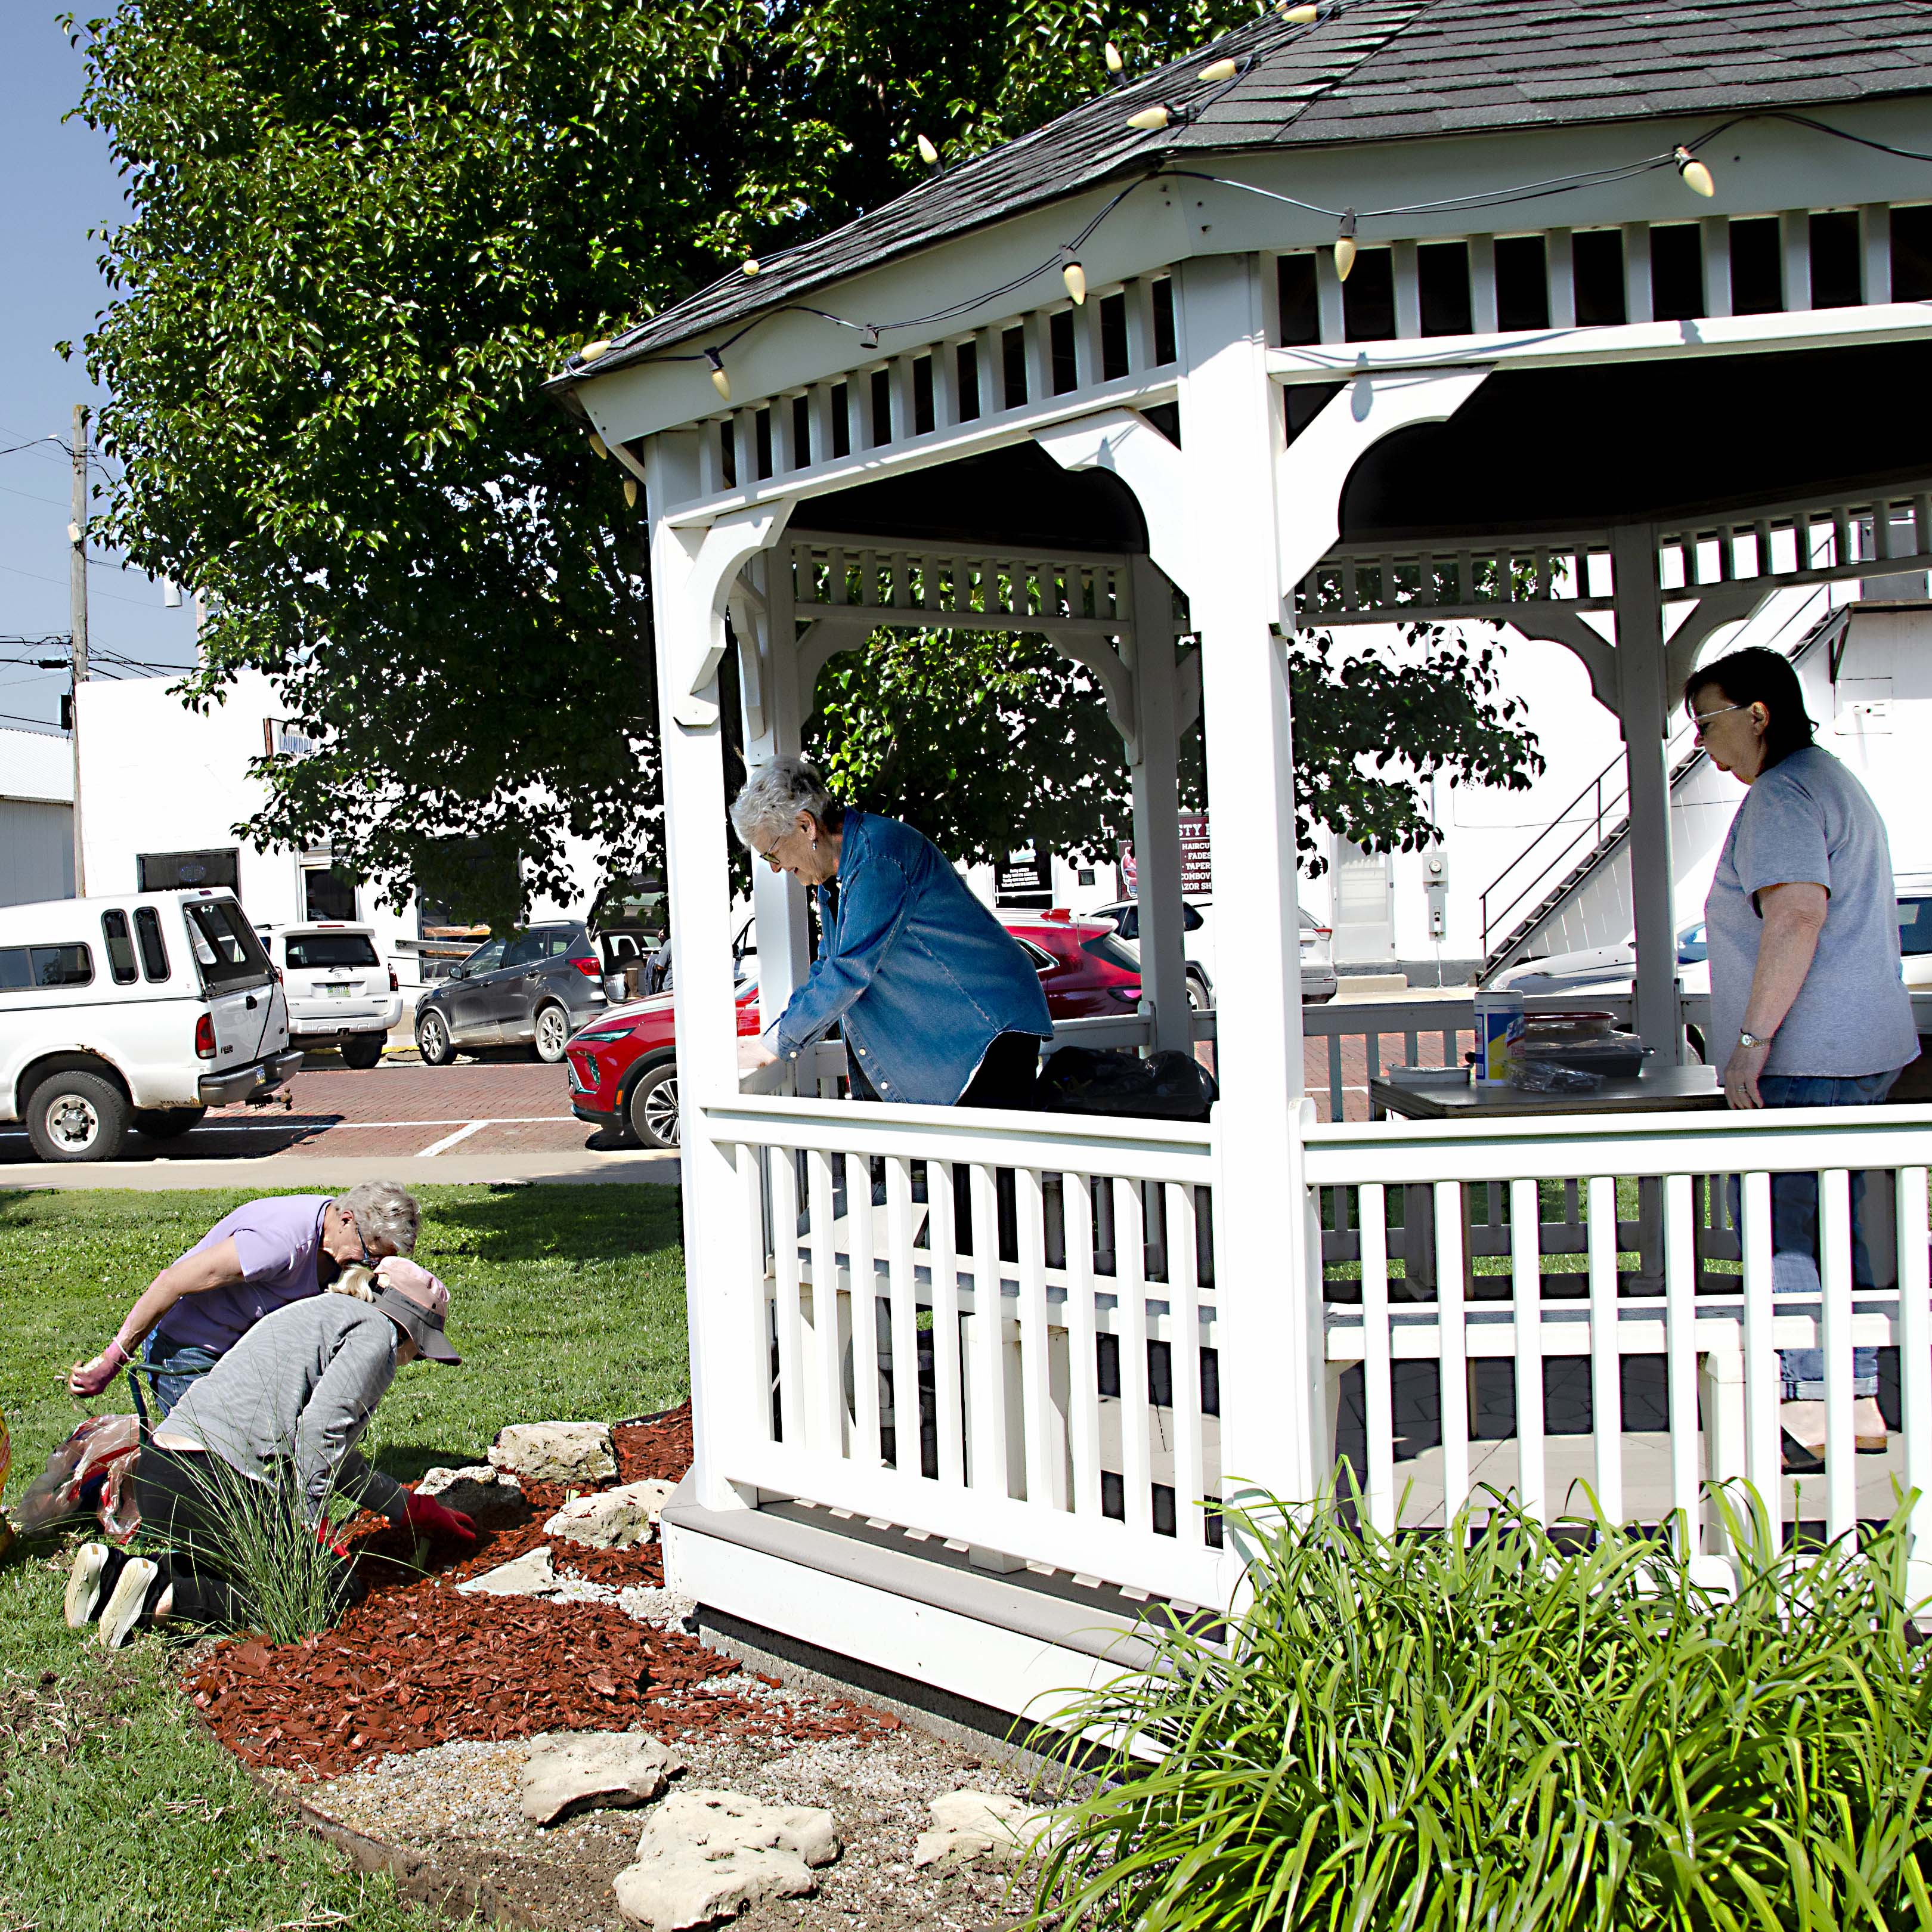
(260, 1258)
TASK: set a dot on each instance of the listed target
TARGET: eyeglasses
(1698, 724)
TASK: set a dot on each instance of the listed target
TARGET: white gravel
(463, 1801)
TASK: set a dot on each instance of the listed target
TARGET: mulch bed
(415, 1663)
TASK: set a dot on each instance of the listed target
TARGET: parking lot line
(451, 1140)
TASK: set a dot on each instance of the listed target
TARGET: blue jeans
(1794, 1225)
(175, 1371)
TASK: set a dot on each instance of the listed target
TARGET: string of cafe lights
(1218, 77)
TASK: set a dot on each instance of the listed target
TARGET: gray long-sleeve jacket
(300, 1386)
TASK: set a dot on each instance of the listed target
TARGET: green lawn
(116, 1811)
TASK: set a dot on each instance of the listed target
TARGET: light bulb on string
(1074, 277)
(631, 492)
(927, 153)
(1299, 16)
(750, 266)
(869, 337)
(1112, 55)
(598, 447)
(591, 351)
(1345, 247)
(1151, 120)
(1220, 69)
(1697, 177)
(720, 381)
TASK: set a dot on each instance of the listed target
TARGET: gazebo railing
(1581, 1311)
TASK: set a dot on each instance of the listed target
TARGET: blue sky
(56, 182)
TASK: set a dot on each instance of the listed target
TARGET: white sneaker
(83, 1584)
(123, 1608)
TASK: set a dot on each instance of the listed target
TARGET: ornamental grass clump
(1487, 1730)
(291, 1583)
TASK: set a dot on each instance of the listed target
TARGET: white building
(36, 817)
(164, 787)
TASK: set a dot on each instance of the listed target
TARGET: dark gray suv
(535, 987)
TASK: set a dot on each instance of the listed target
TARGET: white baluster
(1606, 1417)
(907, 1419)
(1450, 1317)
(942, 1244)
(1130, 1326)
(1377, 1389)
(1680, 1293)
(784, 1244)
(867, 1450)
(1834, 1252)
(1763, 1430)
(1526, 1287)
(1183, 1329)
(1083, 1363)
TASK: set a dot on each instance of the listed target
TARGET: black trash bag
(1171, 1086)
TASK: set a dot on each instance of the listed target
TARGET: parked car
(1318, 983)
(1604, 969)
(133, 1011)
(623, 1065)
(1914, 929)
(340, 994)
(536, 987)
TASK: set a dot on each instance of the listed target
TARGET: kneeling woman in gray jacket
(276, 1422)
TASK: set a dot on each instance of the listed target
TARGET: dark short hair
(1759, 676)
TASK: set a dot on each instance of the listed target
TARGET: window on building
(327, 894)
(186, 872)
(120, 947)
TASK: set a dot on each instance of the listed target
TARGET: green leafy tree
(359, 234)
(981, 740)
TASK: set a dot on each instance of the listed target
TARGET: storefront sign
(1025, 880)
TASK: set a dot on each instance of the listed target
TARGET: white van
(140, 1010)
(340, 992)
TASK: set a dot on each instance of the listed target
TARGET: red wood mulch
(415, 1663)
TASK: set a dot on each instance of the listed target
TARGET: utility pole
(76, 581)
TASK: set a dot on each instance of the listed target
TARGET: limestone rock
(530, 1575)
(612, 1518)
(708, 1855)
(970, 1824)
(577, 1771)
(491, 1498)
(556, 1452)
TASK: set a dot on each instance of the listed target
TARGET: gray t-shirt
(299, 1389)
(1808, 820)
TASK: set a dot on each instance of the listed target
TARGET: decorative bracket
(715, 554)
(1125, 443)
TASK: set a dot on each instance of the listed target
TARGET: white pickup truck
(135, 1011)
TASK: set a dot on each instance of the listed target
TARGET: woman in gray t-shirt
(1808, 1007)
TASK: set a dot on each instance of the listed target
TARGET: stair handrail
(1594, 826)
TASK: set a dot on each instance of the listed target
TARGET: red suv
(623, 1065)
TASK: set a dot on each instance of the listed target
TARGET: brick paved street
(399, 1110)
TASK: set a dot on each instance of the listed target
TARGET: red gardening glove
(325, 1535)
(428, 1517)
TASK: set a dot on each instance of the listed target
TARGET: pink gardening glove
(89, 1379)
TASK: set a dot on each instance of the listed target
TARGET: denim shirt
(924, 977)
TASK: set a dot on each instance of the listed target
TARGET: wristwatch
(1754, 1039)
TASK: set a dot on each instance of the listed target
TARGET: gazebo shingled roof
(1376, 71)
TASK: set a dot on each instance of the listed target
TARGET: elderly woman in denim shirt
(939, 1005)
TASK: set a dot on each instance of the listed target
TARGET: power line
(38, 578)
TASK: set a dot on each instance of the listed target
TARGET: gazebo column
(775, 714)
(1156, 775)
(1643, 707)
(1269, 1309)
(693, 570)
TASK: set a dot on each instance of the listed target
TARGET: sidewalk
(159, 1174)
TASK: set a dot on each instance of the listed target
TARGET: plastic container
(1613, 1056)
(1498, 1020)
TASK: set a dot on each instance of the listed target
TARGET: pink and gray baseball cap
(416, 1301)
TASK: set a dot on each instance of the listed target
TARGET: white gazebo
(1109, 384)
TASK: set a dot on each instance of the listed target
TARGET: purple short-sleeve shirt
(278, 1242)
